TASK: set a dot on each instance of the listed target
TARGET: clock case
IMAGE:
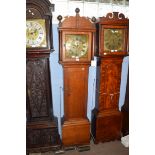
(76, 26)
(41, 125)
(106, 117)
(75, 124)
(113, 20)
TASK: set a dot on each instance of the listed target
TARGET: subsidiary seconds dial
(35, 33)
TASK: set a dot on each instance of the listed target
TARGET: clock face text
(35, 33)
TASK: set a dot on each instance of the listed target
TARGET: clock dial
(76, 46)
(35, 33)
(114, 40)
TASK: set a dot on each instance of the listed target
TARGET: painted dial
(35, 33)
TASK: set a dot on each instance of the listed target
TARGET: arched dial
(113, 40)
(35, 33)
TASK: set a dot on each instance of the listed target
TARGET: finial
(93, 19)
(59, 18)
(77, 10)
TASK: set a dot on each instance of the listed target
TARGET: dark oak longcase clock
(112, 47)
(41, 126)
(76, 50)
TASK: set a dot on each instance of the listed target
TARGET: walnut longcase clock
(76, 49)
(41, 127)
(112, 48)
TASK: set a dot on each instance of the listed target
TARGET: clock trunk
(75, 129)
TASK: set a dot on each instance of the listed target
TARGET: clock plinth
(76, 39)
(106, 126)
(76, 132)
(42, 136)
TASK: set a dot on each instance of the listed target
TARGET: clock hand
(35, 30)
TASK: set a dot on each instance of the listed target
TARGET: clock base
(106, 126)
(42, 136)
(76, 132)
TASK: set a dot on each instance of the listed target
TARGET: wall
(57, 82)
(88, 9)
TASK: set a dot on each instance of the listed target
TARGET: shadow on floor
(109, 148)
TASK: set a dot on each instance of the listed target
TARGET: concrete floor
(109, 148)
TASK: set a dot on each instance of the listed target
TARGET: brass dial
(113, 40)
(35, 33)
(76, 45)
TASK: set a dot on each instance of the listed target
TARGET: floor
(109, 148)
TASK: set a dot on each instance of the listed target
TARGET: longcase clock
(112, 47)
(76, 49)
(41, 127)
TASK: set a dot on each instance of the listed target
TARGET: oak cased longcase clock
(76, 50)
(112, 47)
(41, 125)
